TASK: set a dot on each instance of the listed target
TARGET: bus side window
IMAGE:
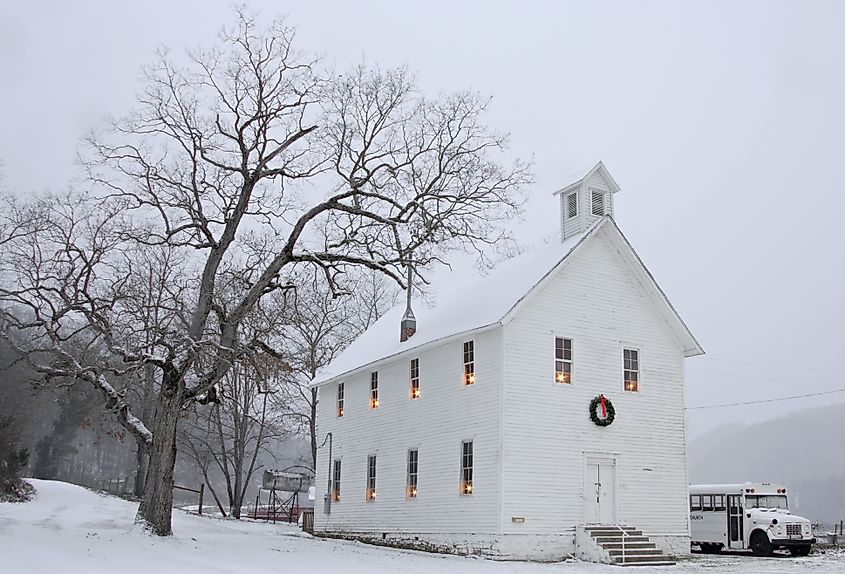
(695, 502)
(707, 502)
(719, 502)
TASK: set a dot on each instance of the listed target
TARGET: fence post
(202, 490)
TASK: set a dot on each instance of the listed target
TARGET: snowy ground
(71, 530)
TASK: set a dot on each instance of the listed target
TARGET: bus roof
(736, 488)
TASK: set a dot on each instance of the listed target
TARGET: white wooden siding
(446, 413)
(547, 430)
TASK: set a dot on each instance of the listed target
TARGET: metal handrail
(624, 536)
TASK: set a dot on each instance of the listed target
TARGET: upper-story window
(598, 202)
(572, 204)
(415, 378)
(371, 478)
(413, 468)
(466, 467)
(563, 360)
(336, 482)
(340, 399)
(374, 390)
(469, 362)
(632, 369)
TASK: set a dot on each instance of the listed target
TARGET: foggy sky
(723, 123)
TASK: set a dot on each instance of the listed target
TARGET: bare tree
(228, 438)
(250, 163)
(316, 327)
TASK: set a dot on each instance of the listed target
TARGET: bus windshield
(754, 501)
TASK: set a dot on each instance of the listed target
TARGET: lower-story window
(336, 482)
(466, 467)
(371, 478)
(413, 467)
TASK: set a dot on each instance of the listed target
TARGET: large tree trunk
(237, 502)
(141, 470)
(157, 503)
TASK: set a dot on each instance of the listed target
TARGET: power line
(767, 400)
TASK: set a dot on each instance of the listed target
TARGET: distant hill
(805, 451)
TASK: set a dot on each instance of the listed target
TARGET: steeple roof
(579, 176)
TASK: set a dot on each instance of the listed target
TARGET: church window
(563, 360)
(415, 378)
(469, 362)
(466, 467)
(631, 359)
(371, 478)
(374, 390)
(336, 482)
(340, 399)
(413, 466)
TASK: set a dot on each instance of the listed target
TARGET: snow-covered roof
(483, 301)
(580, 175)
(463, 306)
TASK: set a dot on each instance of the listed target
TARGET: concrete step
(640, 559)
(628, 545)
(635, 551)
(655, 563)
(614, 539)
(605, 531)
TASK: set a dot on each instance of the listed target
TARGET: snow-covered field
(71, 530)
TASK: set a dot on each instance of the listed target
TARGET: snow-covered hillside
(71, 530)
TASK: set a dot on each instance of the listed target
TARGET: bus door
(735, 529)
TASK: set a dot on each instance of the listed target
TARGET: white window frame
(371, 477)
(336, 474)
(374, 402)
(340, 400)
(413, 473)
(467, 484)
(563, 361)
(415, 378)
(626, 370)
(469, 362)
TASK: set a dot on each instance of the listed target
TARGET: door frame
(736, 544)
(612, 458)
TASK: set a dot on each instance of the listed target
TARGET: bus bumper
(787, 542)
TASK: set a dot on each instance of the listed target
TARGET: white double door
(600, 489)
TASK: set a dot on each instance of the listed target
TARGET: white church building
(536, 412)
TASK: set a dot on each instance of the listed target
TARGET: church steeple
(587, 197)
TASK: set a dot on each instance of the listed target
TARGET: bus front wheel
(760, 544)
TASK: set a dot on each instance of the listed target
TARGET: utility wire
(767, 400)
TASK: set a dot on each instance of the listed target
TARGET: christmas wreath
(608, 413)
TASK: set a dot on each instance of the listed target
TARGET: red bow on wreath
(603, 403)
